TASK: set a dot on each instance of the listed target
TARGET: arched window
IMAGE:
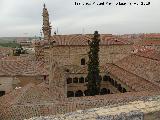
(112, 81)
(119, 87)
(83, 62)
(100, 78)
(115, 83)
(79, 93)
(124, 90)
(105, 78)
(109, 78)
(81, 80)
(44, 77)
(108, 91)
(2, 93)
(103, 91)
(86, 79)
(75, 80)
(86, 93)
(70, 94)
(69, 80)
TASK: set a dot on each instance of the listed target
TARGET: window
(69, 80)
(81, 80)
(2, 93)
(70, 94)
(124, 90)
(79, 93)
(83, 62)
(86, 93)
(103, 91)
(86, 79)
(105, 78)
(75, 80)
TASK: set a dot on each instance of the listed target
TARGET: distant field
(9, 44)
(11, 41)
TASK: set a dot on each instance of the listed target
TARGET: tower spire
(46, 24)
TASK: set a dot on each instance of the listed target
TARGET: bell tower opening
(83, 61)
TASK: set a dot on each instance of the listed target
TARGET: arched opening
(78, 93)
(86, 93)
(86, 79)
(2, 93)
(70, 94)
(75, 80)
(109, 78)
(124, 90)
(105, 78)
(108, 91)
(83, 62)
(67, 70)
(44, 77)
(112, 81)
(115, 83)
(69, 80)
(119, 87)
(100, 78)
(103, 91)
(81, 80)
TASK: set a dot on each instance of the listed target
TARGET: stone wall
(72, 55)
(57, 81)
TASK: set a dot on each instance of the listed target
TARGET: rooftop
(82, 40)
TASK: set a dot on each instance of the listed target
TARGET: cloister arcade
(103, 90)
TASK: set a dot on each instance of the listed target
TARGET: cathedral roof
(80, 39)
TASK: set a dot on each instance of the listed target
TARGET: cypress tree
(93, 85)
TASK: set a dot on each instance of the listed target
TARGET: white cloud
(25, 16)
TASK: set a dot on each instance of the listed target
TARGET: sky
(20, 18)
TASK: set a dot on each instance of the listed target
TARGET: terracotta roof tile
(83, 40)
(21, 67)
(145, 66)
(131, 80)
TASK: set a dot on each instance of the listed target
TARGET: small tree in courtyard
(93, 85)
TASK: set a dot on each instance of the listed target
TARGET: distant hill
(11, 39)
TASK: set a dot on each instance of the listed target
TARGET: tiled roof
(37, 100)
(131, 80)
(138, 48)
(21, 67)
(5, 49)
(152, 35)
(149, 42)
(141, 65)
(29, 94)
(151, 54)
(82, 40)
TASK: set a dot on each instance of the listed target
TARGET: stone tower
(46, 24)
(39, 48)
